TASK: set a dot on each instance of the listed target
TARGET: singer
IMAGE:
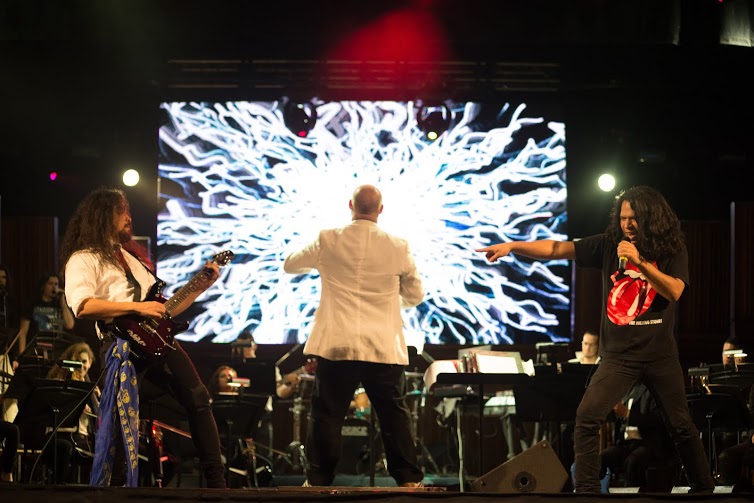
(636, 332)
(49, 312)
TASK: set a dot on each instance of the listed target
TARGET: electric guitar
(153, 338)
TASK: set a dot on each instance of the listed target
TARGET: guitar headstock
(223, 257)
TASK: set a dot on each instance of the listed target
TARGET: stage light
(300, 117)
(433, 119)
(606, 182)
(130, 177)
(53, 176)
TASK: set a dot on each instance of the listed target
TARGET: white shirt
(367, 275)
(87, 277)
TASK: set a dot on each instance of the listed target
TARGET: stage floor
(25, 493)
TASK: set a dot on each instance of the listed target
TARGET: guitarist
(107, 275)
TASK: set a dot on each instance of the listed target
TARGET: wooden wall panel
(705, 305)
(30, 250)
(742, 275)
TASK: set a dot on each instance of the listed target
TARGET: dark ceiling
(663, 78)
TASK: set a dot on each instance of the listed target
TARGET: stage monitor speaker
(536, 470)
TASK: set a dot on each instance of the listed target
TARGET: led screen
(237, 176)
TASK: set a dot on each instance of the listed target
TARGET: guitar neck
(184, 292)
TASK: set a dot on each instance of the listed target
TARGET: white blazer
(367, 276)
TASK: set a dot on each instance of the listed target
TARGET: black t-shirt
(43, 317)
(637, 323)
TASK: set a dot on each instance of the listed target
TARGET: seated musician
(241, 451)
(286, 385)
(221, 380)
(644, 439)
(75, 446)
(589, 349)
(736, 462)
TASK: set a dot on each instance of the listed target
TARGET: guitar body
(150, 338)
(154, 338)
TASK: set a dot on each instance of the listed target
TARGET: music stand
(54, 403)
(550, 399)
(718, 412)
(56, 342)
(261, 376)
(28, 371)
(742, 380)
(237, 415)
(584, 371)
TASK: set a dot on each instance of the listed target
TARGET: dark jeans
(334, 386)
(612, 380)
(177, 375)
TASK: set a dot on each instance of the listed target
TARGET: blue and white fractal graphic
(233, 176)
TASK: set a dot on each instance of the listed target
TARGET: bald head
(366, 203)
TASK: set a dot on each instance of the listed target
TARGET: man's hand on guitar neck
(210, 273)
(198, 285)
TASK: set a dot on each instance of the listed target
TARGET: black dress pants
(334, 386)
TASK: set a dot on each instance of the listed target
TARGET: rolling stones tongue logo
(630, 296)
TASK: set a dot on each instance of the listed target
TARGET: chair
(663, 474)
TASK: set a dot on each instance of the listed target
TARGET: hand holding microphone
(623, 259)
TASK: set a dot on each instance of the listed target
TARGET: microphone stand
(8, 348)
(5, 307)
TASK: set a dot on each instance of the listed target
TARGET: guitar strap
(129, 275)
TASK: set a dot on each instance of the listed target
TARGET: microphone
(623, 260)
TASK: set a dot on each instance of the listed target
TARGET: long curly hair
(658, 233)
(92, 226)
(72, 352)
(213, 386)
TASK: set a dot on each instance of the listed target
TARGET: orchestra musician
(736, 460)
(75, 446)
